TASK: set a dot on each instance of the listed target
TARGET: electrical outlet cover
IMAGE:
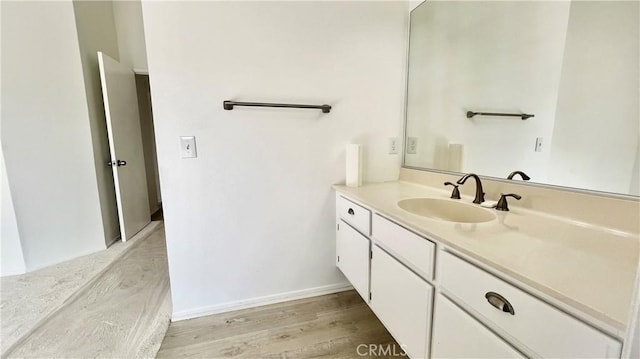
(412, 145)
(393, 145)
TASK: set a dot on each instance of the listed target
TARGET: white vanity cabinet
(458, 335)
(357, 216)
(452, 307)
(536, 327)
(352, 257)
(402, 301)
(353, 249)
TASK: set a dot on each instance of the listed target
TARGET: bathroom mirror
(574, 65)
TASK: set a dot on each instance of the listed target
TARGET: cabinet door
(402, 301)
(458, 335)
(352, 249)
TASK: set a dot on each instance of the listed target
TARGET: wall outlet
(412, 145)
(539, 144)
(393, 145)
(188, 147)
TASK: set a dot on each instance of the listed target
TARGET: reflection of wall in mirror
(484, 56)
(513, 57)
(595, 137)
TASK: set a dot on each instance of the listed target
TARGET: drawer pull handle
(350, 211)
(499, 302)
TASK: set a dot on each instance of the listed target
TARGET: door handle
(116, 163)
(499, 302)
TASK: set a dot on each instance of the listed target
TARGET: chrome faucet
(479, 192)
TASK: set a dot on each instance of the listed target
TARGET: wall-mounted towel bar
(523, 116)
(228, 105)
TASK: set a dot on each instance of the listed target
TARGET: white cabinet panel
(413, 250)
(352, 249)
(532, 323)
(458, 335)
(354, 214)
(402, 301)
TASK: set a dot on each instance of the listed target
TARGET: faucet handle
(456, 192)
(502, 202)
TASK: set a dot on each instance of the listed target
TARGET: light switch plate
(188, 147)
(539, 144)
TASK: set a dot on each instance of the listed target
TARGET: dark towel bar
(228, 105)
(523, 116)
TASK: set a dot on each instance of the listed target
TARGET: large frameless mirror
(476, 67)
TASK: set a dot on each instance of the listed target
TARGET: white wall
(46, 139)
(97, 32)
(454, 68)
(11, 256)
(599, 99)
(414, 4)
(129, 25)
(253, 215)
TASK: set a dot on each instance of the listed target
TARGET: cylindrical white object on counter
(354, 165)
(456, 153)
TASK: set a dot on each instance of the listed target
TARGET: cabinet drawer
(535, 326)
(458, 335)
(352, 250)
(414, 251)
(402, 301)
(354, 214)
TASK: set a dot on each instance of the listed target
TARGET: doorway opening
(147, 131)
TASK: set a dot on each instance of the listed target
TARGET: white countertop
(587, 268)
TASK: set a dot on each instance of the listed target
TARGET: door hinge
(370, 254)
(369, 295)
(338, 226)
(338, 259)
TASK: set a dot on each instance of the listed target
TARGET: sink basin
(446, 210)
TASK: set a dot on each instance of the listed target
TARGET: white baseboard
(259, 301)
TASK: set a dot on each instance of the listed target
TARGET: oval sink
(446, 210)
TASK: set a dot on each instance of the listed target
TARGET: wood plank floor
(27, 300)
(123, 314)
(329, 326)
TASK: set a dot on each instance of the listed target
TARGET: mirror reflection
(573, 65)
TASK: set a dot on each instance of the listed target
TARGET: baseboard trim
(260, 301)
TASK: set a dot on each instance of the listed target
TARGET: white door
(402, 302)
(125, 143)
(458, 335)
(352, 249)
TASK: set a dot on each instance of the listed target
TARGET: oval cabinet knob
(350, 211)
(499, 302)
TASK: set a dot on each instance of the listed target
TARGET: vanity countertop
(586, 268)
